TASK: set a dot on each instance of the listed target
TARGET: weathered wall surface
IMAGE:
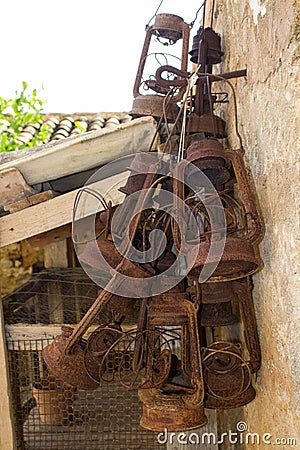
(262, 36)
(16, 261)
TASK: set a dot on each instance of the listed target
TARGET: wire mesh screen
(48, 413)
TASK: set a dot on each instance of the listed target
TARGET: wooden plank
(13, 186)
(31, 337)
(55, 255)
(28, 332)
(7, 440)
(54, 213)
(29, 201)
(85, 151)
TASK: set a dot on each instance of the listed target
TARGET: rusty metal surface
(227, 377)
(244, 228)
(154, 105)
(107, 248)
(133, 184)
(173, 386)
(243, 288)
(179, 402)
(162, 411)
(217, 314)
(139, 169)
(217, 292)
(168, 356)
(213, 46)
(97, 345)
(168, 26)
(210, 157)
(255, 231)
(210, 124)
(206, 51)
(68, 368)
(238, 260)
(61, 355)
(125, 306)
(215, 303)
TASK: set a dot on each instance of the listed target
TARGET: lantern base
(164, 411)
(222, 403)
(153, 105)
(208, 123)
(237, 261)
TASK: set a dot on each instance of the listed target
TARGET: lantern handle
(197, 379)
(236, 158)
(203, 78)
(178, 82)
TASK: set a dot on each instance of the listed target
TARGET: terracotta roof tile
(62, 126)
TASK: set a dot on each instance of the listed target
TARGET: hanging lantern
(227, 376)
(206, 51)
(68, 368)
(227, 372)
(65, 356)
(96, 347)
(210, 52)
(167, 29)
(227, 171)
(216, 305)
(178, 403)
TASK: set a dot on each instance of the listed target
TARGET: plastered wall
(262, 37)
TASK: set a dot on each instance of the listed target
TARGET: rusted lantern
(205, 52)
(167, 29)
(227, 376)
(140, 167)
(66, 355)
(227, 366)
(69, 368)
(211, 51)
(225, 169)
(217, 314)
(97, 345)
(215, 303)
(216, 306)
(177, 403)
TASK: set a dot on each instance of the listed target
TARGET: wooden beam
(53, 213)
(13, 186)
(6, 424)
(84, 151)
(28, 201)
(31, 336)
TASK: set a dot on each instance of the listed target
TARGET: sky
(81, 56)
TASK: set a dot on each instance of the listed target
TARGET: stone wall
(262, 37)
(16, 263)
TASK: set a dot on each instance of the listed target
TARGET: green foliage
(15, 113)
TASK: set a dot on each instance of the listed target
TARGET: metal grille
(49, 414)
